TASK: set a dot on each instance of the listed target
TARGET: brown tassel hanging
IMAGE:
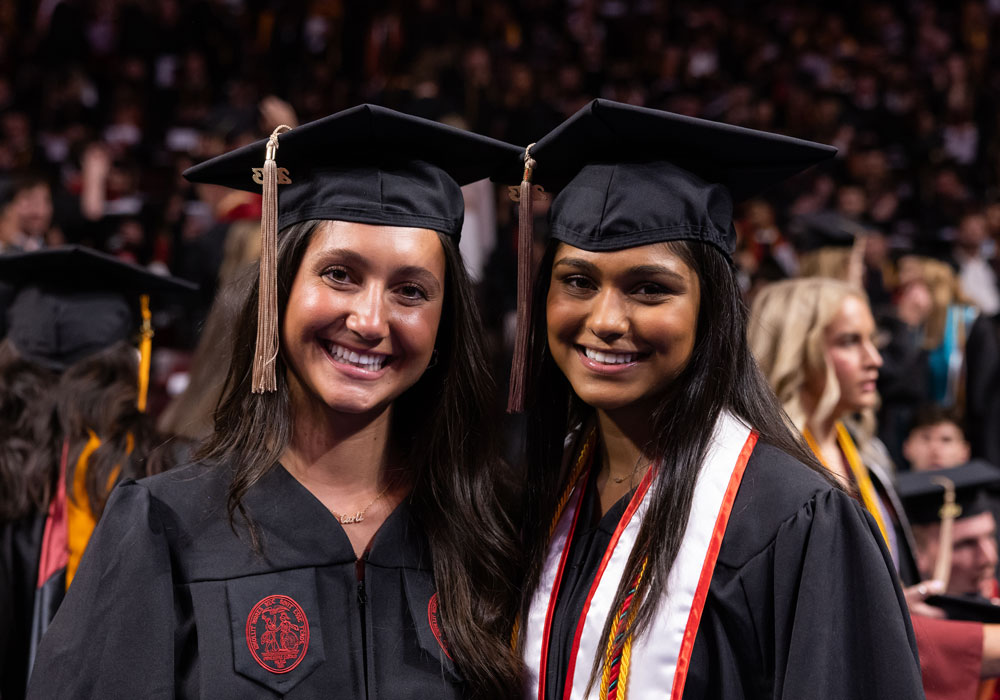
(525, 236)
(266, 350)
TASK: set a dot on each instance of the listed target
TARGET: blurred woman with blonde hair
(815, 341)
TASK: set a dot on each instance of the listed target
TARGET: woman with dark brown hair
(343, 533)
(683, 541)
(72, 424)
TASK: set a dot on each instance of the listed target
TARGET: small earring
(434, 359)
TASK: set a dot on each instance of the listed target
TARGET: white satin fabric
(654, 655)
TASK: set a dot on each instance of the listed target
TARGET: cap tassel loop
(525, 239)
(266, 349)
(145, 352)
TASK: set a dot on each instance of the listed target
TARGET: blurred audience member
(976, 277)
(936, 440)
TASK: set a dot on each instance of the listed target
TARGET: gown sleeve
(841, 626)
(113, 634)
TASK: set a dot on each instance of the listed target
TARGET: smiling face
(621, 324)
(850, 349)
(363, 314)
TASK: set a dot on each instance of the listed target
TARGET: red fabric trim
(705, 580)
(547, 634)
(633, 505)
(55, 550)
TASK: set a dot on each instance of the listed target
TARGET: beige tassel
(266, 350)
(525, 236)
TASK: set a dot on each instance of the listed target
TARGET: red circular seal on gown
(278, 633)
(432, 619)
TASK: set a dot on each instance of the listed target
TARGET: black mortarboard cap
(369, 165)
(628, 176)
(977, 484)
(71, 302)
(825, 229)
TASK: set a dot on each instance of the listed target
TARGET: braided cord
(618, 652)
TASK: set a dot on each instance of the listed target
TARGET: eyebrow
(351, 257)
(638, 270)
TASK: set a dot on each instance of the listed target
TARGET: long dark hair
(443, 424)
(98, 395)
(29, 435)
(721, 374)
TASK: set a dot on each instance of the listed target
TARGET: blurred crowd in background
(103, 103)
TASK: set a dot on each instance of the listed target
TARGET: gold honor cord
(949, 511)
(858, 470)
(145, 352)
(80, 519)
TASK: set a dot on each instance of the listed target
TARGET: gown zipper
(362, 602)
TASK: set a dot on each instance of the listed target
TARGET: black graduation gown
(168, 600)
(803, 602)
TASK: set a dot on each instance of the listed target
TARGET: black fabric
(72, 301)
(368, 164)
(803, 602)
(20, 547)
(610, 207)
(825, 229)
(982, 371)
(976, 486)
(160, 604)
(629, 176)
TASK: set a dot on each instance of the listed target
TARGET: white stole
(660, 657)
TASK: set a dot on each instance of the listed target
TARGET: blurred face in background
(936, 446)
(849, 347)
(973, 557)
(33, 209)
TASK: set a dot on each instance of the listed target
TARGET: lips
(370, 361)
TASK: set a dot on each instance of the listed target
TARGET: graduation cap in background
(368, 165)
(71, 302)
(944, 496)
(825, 229)
(628, 176)
(975, 486)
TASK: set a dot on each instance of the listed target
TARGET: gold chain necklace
(360, 515)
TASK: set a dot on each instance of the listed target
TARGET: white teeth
(369, 362)
(610, 358)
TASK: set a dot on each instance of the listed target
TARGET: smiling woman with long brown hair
(343, 534)
(683, 542)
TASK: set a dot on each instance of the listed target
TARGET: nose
(988, 550)
(367, 317)
(608, 316)
(873, 357)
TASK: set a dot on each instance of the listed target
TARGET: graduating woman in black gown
(343, 535)
(684, 543)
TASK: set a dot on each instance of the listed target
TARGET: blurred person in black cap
(959, 501)
(344, 527)
(688, 527)
(74, 395)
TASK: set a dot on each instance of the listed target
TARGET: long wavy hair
(720, 375)
(98, 395)
(443, 425)
(788, 321)
(29, 435)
